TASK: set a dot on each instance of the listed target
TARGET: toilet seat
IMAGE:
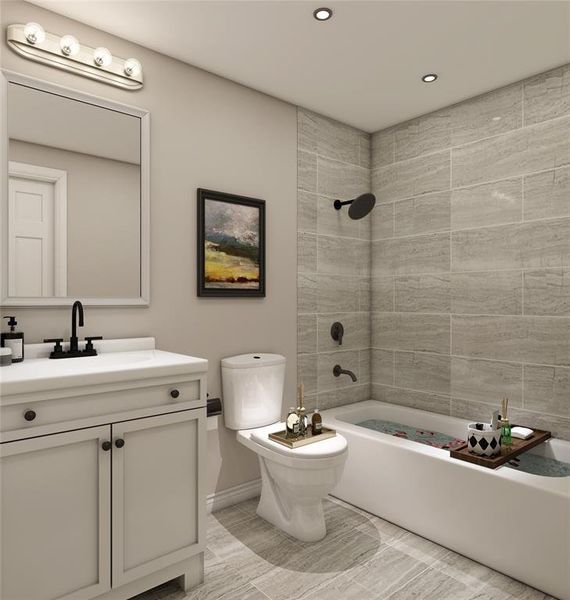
(311, 456)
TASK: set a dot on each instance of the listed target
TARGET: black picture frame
(228, 292)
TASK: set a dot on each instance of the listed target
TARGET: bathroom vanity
(102, 472)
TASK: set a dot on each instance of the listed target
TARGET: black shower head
(359, 207)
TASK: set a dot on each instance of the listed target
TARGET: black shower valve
(337, 332)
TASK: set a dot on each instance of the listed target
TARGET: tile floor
(362, 558)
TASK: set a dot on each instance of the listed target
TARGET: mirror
(76, 207)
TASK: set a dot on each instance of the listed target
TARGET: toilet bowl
(293, 481)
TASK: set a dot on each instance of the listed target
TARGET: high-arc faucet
(338, 371)
(73, 340)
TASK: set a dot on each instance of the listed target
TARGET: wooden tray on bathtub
(507, 452)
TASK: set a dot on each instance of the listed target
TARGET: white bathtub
(511, 521)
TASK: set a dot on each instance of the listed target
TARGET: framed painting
(231, 245)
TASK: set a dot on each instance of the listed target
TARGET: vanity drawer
(69, 412)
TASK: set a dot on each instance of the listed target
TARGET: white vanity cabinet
(105, 505)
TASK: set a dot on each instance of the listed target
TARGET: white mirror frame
(7, 77)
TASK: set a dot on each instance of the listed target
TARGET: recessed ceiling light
(322, 14)
(429, 78)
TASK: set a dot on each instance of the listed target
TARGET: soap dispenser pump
(14, 340)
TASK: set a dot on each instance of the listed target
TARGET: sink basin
(115, 362)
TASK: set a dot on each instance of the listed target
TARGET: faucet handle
(57, 349)
(90, 339)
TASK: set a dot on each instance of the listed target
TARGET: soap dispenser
(14, 340)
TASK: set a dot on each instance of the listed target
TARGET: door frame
(58, 178)
(120, 576)
(100, 433)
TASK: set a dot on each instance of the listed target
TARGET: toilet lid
(321, 449)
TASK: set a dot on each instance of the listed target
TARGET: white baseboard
(231, 496)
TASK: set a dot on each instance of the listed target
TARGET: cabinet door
(55, 516)
(158, 492)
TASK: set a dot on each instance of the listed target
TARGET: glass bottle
(292, 424)
(506, 437)
(302, 421)
(317, 422)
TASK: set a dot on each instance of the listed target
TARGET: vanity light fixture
(429, 77)
(69, 45)
(65, 52)
(323, 13)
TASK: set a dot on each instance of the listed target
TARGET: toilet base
(300, 514)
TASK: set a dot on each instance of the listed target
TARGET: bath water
(541, 465)
(414, 434)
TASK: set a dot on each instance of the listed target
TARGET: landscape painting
(231, 245)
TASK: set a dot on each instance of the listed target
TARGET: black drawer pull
(120, 442)
(174, 393)
(106, 446)
(30, 415)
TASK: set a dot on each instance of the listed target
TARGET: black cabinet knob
(106, 446)
(30, 415)
(174, 393)
(120, 442)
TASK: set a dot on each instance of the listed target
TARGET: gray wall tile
(356, 331)
(383, 221)
(486, 380)
(422, 293)
(547, 292)
(419, 254)
(383, 294)
(343, 396)
(307, 371)
(306, 293)
(306, 171)
(341, 180)
(547, 96)
(382, 365)
(306, 334)
(487, 293)
(541, 340)
(383, 145)
(365, 150)
(306, 130)
(340, 256)
(347, 359)
(487, 115)
(364, 366)
(423, 135)
(425, 372)
(306, 252)
(364, 293)
(424, 401)
(543, 146)
(337, 293)
(526, 245)
(424, 214)
(547, 194)
(547, 389)
(422, 175)
(335, 222)
(338, 141)
(307, 211)
(487, 204)
(410, 331)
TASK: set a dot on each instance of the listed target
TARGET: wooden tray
(507, 452)
(281, 437)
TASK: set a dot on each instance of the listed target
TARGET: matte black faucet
(73, 340)
(74, 351)
(338, 371)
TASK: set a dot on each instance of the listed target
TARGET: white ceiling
(363, 66)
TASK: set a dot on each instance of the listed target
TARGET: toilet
(293, 481)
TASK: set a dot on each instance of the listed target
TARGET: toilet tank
(252, 389)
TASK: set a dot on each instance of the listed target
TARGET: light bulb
(102, 57)
(69, 45)
(132, 67)
(34, 33)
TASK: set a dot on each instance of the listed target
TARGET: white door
(55, 516)
(31, 238)
(159, 498)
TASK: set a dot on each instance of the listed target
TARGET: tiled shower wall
(471, 257)
(333, 261)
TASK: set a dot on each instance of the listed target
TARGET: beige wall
(471, 256)
(334, 261)
(205, 132)
(103, 220)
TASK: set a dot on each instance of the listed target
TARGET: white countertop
(118, 360)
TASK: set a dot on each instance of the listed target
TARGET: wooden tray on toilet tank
(281, 437)
(507, 452)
